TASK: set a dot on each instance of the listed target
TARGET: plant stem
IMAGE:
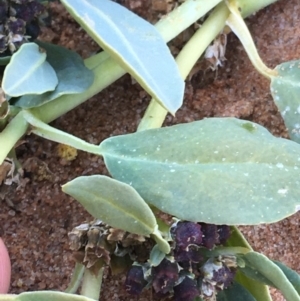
(76, 279)
(248, 7)
(238, 26)
(91, 285)
(186, 59)
(183, 16)
(46, 131)
(11, 134)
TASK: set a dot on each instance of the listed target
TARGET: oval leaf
(290, 274)
(235, 292)
(156, 256)
(28, 72)
(115, 203)
(73, 76)
(135, 44)
(218, 170)
(264, 266)
(46, 296)
(253, 273)
(285, 89)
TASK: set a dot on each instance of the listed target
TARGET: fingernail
(5, 268)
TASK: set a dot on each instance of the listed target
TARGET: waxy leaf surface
(46, 296)
(135, 44)
(250, 271)
(271, 271)
(28, 72)
(290, 274)
(285, 89)
(73, 76)
(113, 202)
(218, 170)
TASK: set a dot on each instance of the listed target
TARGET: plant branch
(76, 279)
(11, 134)
(238, 26)
(183, 16)
(250, 7)
(91, 284)
(46, 131)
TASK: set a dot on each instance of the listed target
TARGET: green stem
(196, 46)
(238, 26)
(183, 16)
(91, 284)
(186, 59)
(76, 279)
(12, 155)
(46, 131)
(248, 7)
(11, 134)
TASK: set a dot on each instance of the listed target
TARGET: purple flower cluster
(19, 23)
(188, 271)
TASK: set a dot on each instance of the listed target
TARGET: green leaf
(285, 89)
(46, 296)
(135, 44)
(218, 170)
(272, 273)
(290, 274)
(115, 203)
(156, 256)
(28, 72)
(4, 60)
(46, 131)
(258, 290)
(162, 243)
(250, 271)
(235, 292)
(73, 76)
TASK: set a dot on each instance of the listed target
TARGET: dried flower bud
(210, 235)
(186, 233)
(216, 275)
(224, 233)
(16, 26)
(164, 276)
(20, 22)
(223, 277)
(3, 42)
(135, 281)
(187, 290)
(33, 30)
(190, 254)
